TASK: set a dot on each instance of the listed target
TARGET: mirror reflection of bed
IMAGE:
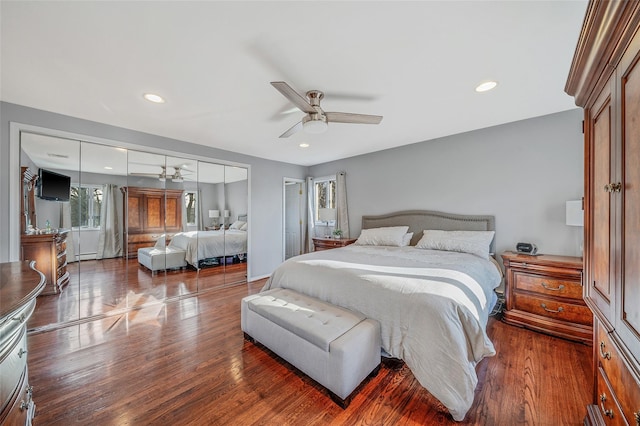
(126, 200)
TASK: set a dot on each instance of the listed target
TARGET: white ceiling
(415, 63)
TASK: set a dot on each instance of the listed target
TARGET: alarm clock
(526, 248)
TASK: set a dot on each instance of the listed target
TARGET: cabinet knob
(613, 187)
(21, 352)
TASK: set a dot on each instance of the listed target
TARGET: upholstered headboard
(419, 220)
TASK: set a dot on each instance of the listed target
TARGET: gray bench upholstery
(336, 347)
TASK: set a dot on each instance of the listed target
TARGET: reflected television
(53, 186)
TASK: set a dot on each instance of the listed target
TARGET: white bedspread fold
(432, 306)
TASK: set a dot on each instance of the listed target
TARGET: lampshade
(574, 214)
(326, 215)
(214, 213)
(226, 213)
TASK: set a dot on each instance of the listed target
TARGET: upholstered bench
(159, 259)
(336, 347)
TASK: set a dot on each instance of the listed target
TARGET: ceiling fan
(316, 120)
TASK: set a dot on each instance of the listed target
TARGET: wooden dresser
(331, 243)
(19, 286)
(605, 81)
(150, 213)
(50, 253)
(544, 293)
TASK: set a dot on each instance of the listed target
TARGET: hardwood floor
(186, 363)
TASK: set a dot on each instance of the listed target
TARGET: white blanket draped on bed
(432, 306)
(207, 244)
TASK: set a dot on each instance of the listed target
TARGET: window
(191, 203)
(325, 196)
(86, 203)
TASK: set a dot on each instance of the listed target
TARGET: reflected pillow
(473, 242)
(161, 242)
(244, 227)
(386, 236)
(237, 224)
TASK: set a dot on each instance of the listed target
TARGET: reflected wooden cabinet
(148, 214)
(50, 253)
(605, 80)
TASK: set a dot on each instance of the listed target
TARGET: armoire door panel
(600, 279)
(154, 212)
(630, 93)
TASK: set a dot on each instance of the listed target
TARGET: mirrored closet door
(136, 228)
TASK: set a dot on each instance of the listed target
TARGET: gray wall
(521, 172)
(266, 178)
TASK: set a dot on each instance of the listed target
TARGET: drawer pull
(25, 405)
(546, 286)
(603, 354)
(21, 352)
(613, 187)
(21, 318)
(636, 415)
(608, 413)
(543, 306)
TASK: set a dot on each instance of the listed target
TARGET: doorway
(294, 218)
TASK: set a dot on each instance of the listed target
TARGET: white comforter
(432, 306)
(206, 244)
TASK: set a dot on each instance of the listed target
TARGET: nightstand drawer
(608, 403)
(548, 285)
(547, 307)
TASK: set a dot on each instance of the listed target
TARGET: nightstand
(544, 293)
(320, 243)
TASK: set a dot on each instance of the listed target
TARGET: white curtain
(109, 240)
(311, 223)
(65, 223)
(183, 200)
(342, 213)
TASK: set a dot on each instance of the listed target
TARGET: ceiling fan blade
(288, 92)
(347, 117)
(296, 128)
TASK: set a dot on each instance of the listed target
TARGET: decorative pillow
(474, 242)
(244, 227)
(237, 224)
(406, 239)
(386, 236)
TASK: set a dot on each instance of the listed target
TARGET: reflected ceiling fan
(162, 176)
(316, 120)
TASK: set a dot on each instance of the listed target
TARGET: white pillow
(474, 242)
(386, 236)
(237, 224)
(244, 227)
(406, 239)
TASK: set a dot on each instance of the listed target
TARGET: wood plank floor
(186, 363)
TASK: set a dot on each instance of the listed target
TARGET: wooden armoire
(605, 81)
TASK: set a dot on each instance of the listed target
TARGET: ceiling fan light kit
(316, 120)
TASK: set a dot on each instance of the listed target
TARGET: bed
(209, 248)
(433, 305)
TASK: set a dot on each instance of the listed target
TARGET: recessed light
(151, 97)
(108, 168)
(486, 86)
(304, 145)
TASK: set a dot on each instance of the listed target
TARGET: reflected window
(86, 203)
(325, 197)
(191, 203)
